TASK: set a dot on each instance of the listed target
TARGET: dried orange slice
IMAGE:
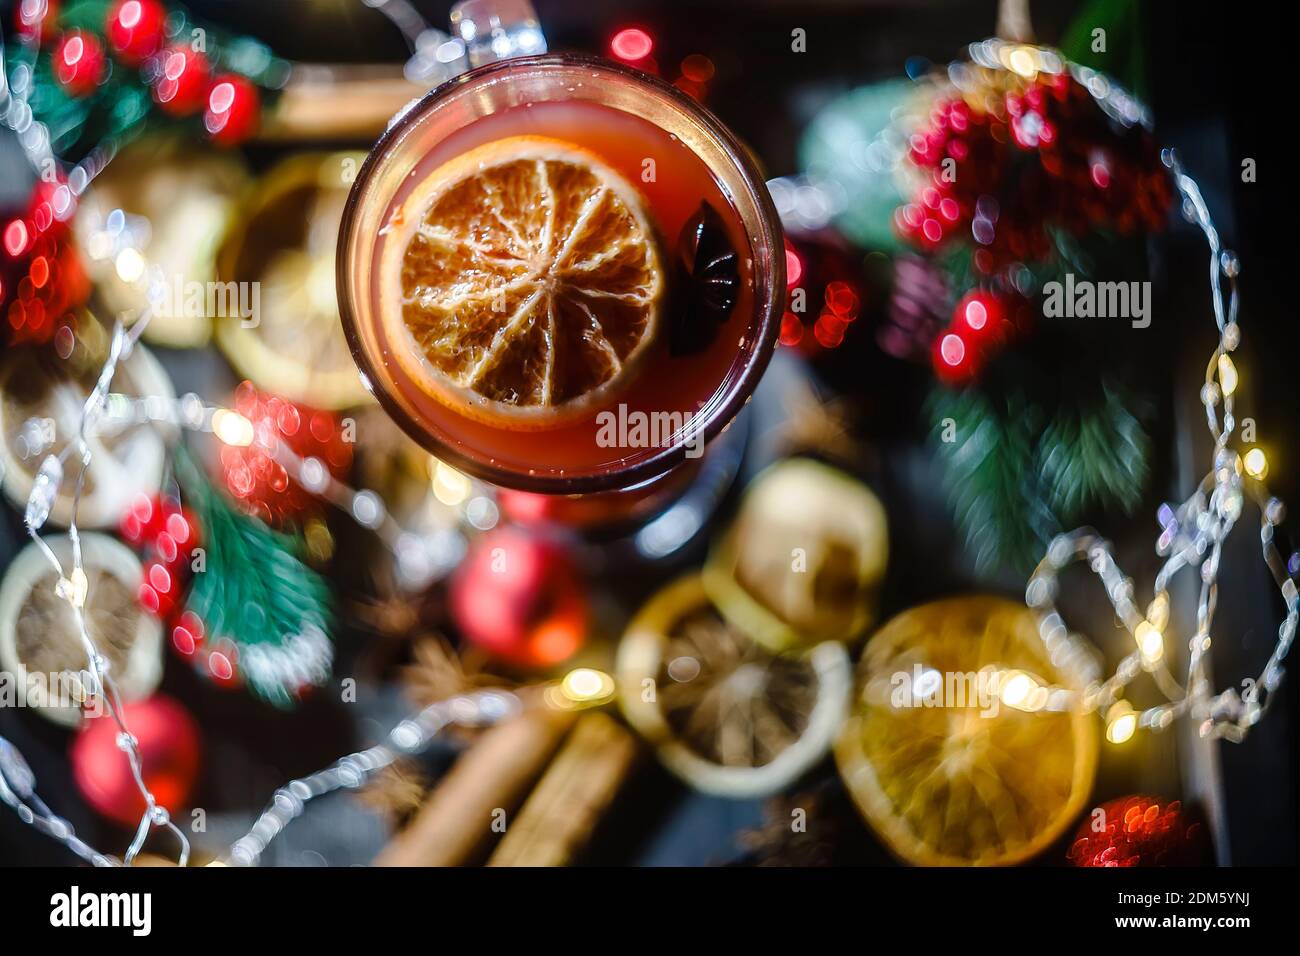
(38, 633)
(525, 278)
(41, 401)
(804, 559)
(723, 712)
(966, 746)
(281, 242)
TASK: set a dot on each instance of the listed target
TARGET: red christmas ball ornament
(1139, 831)
(262, 484)
(168, 740)
(181, 84)
(956, 360)
(34, 20)
(234, 110)
(520, 598)
(134, 29)
(78, 63)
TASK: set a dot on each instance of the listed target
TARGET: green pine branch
(122, 107)
(1015, 476)
(254, 589)
(989, 473)
(1094, 455)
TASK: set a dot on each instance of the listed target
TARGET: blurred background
(856, 395)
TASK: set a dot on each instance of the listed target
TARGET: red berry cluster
(1047, 157)
(180, 78)
(218, 660)
(167, 534)
(982, 324)
(34, 20)
(42, 281)
(1101, 178)
(252, 474)
(1138, 831)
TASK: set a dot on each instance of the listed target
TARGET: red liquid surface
(666, 383)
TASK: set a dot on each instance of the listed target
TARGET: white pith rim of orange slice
(640, 656)
(408, 220)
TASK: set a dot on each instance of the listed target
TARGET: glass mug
(679, 158)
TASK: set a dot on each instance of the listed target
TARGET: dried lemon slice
(804, 560)
(41, 402)
(724, 713)
(525, 278)
(38, 633)
(944, 768)
(281, 242)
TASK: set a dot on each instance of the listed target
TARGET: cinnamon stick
(456, 822)
(562, 812)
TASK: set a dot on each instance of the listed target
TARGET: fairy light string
(1192, 537)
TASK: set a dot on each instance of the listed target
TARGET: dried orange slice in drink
(525, 279)
(724, 713)
(964, 748)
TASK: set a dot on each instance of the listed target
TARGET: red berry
(188, 633)
(981, 318)
(182, 81)
(135, 29)
(234, 110)
(78, 63)
(34, 20)
(956, 361)
(167, 549)
(142, 520)
(223, 664)
(183, 528)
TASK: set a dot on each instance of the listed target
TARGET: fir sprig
(257, 593)
(1015, 472)
(1093, 455)
(121, 107)
(987, 449)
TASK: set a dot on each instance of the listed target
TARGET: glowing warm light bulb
(1023, 61)
(232, 428)
(1227, 374)
(129, 265)
(1256, 463)
(1121, 722)
(586, 685)
(1017, 688)
(449, 485)
(1150, 642)
(1158, 611)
